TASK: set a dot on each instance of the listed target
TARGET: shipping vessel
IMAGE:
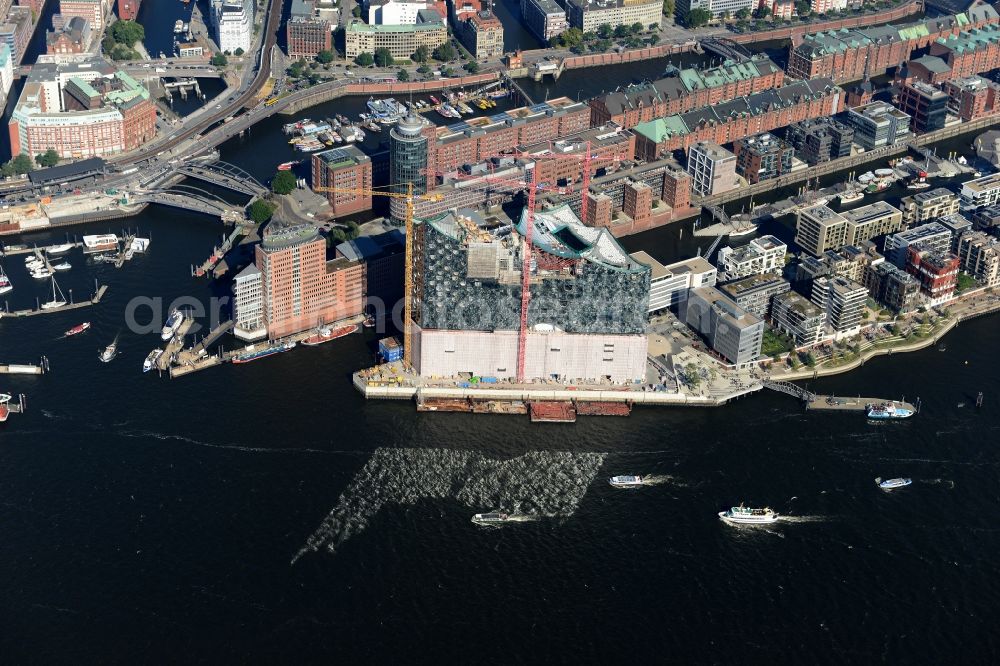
(256, 355)
(490, 518)
(741, 515)
(887, 411)
(626, 481)
(325, 334)
(890, 484)
(174, 322)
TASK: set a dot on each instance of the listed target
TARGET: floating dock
(555, 411)
(25, 368)
(94, 300)
(845, 404)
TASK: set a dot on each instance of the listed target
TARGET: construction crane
(409, 196)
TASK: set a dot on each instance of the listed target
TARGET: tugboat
(627, 481)
(740, 515)
(887, 411)
(490, 518)
(78, 329)
(892, 484)
(325, 334)
(174, 322)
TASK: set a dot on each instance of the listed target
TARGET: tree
(49, 158)
(743, 13)
(653, 27)
(570, 37)
(472, 67)
(402, 75)
(383, 57)
(22, 164)
(365, 59)
(421, 54)
(697, 18)
(283, 182)
(803, 8)
(620, 31)
(444, 53)
(356, 12)
(337, 235)
(965, 281)
(763, 12)
(636, 28)
(220, 60)
(261, 211)
(127, 33)
(424, 69)
(668, 7)
(238, 52)
(605, 31)
(325, 56)
(691, 375)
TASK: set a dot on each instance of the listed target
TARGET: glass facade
(408, 155)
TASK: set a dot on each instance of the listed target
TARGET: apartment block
(932, 236)
(819, 228)
(765, 254)
(893, 288)
(878, 124)
(928, 205)
(926, 105)
(972, 97)
(818, 140)
(762, 157)
(979, 256)
(799, 318)
(248, 305)
(843, 301)
(669, 285)
(871, 221)
(754, 293)
(981, 192)
(677, 189)
(937, 272)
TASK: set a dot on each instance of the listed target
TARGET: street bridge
(790, 389)
(726, 48)
(190, 198)
(224, 175)
(154, 68)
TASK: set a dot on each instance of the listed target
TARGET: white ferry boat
(741, 515)
(174, 322)
(490, 518)
(887, 411)
(626, 481)
(890, 484)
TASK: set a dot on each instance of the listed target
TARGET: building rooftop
(277, 237)
(560, 232)
(823, 214)
(800, 304)
(657, 270)
(984, 184)
(692, 265)
(753, 283)
(872, 211)
(727, 309)
(914, 234)
(933, 64)
(341, 157)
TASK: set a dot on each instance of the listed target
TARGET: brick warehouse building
(970, 52)
(685, 90)
(738, 118)
(307, 34)
(345, 168)
(848, 55)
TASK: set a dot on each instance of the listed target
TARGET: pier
(834, 403)
(25, 368)
(93, 300)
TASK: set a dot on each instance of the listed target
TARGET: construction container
(390, 349)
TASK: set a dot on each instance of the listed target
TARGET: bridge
(158, 68)
(190, 198)
(224, 175)
(790, 389)
(726, 48)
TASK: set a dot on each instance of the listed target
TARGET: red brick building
(638, 203)
(937, 272)
(972, 97)
(301, 289)
(970, 52)
(345, 168)
(848, 55)
(685, 90)
(307, 34)
(73, 38)
(677, 189)
(562, 161)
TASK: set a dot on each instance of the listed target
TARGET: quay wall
(330, 91)
(796, 32)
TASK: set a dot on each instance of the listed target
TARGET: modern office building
(669, 285)
(405, 12)
(928, 205)
(762, 157)
(957, 225)
(718, 8)
(843, 300)
(248, 305)
(345, 169)
(301, 289)
(765, 254)
(979, 256)
(754, 293)
(84, 108)
(233, 23)
(893, 288)
(878, 124)
(16, 30)
(587, 314)
(932, 236)
(819, 228)
(589, 15)
(545, 19)
(818, 140)
(981, 192)
(307, 34)
(797, 317)
(402, 40)
(729, 330)
(408, 159)
(712, 168)
(382, 259)
(925, 104)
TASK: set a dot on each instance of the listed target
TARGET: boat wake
(662, 479)
(535, 485)
(936, 482)
(803, 519)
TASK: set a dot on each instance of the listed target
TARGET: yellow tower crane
(409, 197)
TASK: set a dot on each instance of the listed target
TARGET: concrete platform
(848, 404)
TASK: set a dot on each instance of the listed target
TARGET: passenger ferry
(248, 356)
(891, 484)
(490, 518)
(887, 411)
(626, 481)
(741, 515)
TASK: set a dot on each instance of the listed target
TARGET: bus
(271, 102)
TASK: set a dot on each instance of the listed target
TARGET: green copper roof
(662, 129)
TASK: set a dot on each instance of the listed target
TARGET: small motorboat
(851, 196)
(4, 410)
(151, 360)
(62, 266)
(5, 284)
(286, 166)
(626, 481)
(59, 249)
(892, 484)
(78, 329)
(109, 352)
